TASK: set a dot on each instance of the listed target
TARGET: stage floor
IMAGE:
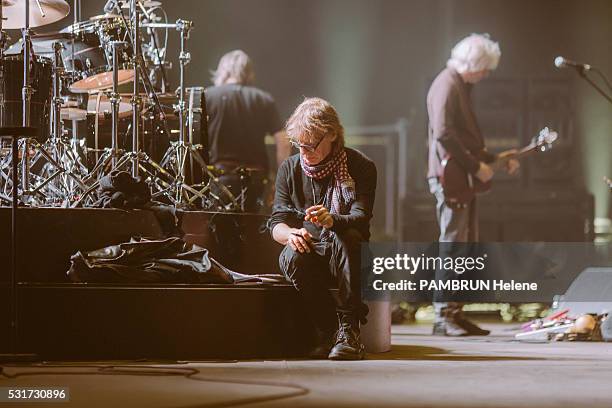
(421, 370)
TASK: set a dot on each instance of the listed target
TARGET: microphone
(561, 62)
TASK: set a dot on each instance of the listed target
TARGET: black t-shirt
(239, 119)
(294, 190)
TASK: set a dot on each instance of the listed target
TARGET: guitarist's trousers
(457, 225)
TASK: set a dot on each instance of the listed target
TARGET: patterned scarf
(341, 188)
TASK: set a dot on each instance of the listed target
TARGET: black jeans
(335, 262)
(249, 187)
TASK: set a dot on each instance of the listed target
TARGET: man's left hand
(512, 165)
(319, 216)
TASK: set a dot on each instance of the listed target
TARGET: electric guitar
(460, 187)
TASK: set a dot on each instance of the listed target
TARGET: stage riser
(47, 237)
(174, 323)
(59, 320)
(5, 320)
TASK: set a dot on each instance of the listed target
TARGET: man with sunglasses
(322, 211)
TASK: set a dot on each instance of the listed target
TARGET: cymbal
(106, 16)
(145, 4)
(52, 35)
(101, 81)
(13, 12)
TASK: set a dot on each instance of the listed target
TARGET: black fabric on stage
(171, 260)
(239, 119)
(120, 190)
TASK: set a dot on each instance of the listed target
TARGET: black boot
(348, 345)
(324, 343)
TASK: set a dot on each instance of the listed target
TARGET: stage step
(62, 320)
(77, 321)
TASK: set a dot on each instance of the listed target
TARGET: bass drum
(11, 84)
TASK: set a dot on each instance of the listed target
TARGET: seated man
(322, 210)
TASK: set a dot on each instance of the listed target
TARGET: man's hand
(485, 172)
(299, 240)
(319, 216)
(512, 165)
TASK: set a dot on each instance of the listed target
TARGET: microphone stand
(583, 73)
(15, 354)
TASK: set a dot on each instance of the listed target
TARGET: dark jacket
(294, 191)
(453, 129)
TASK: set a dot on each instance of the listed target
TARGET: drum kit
(97, 92)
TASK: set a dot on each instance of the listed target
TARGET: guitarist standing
(454, 135)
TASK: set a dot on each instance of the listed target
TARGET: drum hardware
(90, 55)
(113, 158)
(4, 39)
(144, 4)
(182, 152)
(139, 74)
(26, 93)
(158, 178)
(56, 168)
(105, 16)
(244, 174)
(135, 15)
(156, 55)
(58, 172)
(64, 152)
(36, 13)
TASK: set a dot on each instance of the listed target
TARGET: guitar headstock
(544, 140)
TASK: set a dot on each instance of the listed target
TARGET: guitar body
(459, 186)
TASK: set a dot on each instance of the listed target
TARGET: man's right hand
(299, 240)
(485, 172)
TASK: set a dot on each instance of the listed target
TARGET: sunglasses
(308, 148)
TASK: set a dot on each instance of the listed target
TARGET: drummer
(240, 117)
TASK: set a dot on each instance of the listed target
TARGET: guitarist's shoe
(448, 329)
(450, 321)
(472, 328)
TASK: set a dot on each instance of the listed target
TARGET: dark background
(374, 60)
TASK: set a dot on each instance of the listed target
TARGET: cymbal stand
(113, 158)
(26, 95)
(157, 177)
(135, 17)
(182, 152)
(4, 177)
